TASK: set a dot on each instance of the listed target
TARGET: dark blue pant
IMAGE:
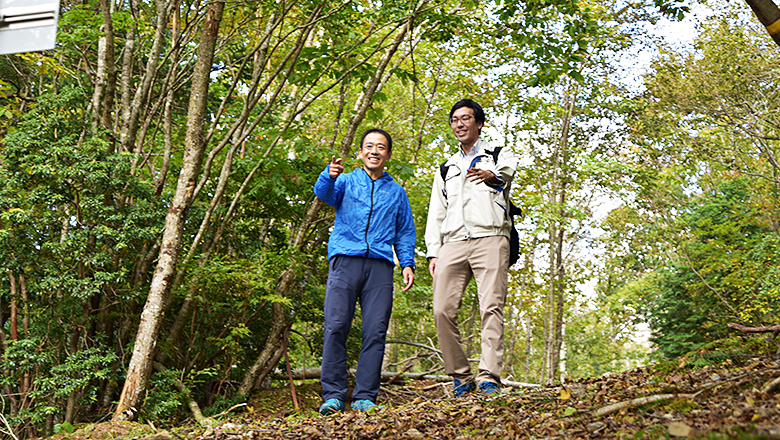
(353, 279)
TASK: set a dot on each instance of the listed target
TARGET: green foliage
(724, 277)
(23, 356)
(63, 427)
(694, 247)
(164, 401)
(82, 374)
(79, 372)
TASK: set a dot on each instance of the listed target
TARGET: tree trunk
(560, 259)
(525, 286)
(14, 308)
(132, 114)
(556, 230)
(27, 378)
(271, 352)
(140, 367)
(14, 327)
(549, 327)
(105, 77)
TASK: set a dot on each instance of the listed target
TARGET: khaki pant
(487, 259)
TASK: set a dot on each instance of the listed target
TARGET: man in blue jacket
(373, 217)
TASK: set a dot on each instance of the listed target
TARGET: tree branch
(744, 329)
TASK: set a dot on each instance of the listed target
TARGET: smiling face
(465, 127)
(375, 152)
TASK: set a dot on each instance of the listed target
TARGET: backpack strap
(443, 171)
(443, 167)
(494, 152)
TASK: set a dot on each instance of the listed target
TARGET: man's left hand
(478, 176)
(408, 278)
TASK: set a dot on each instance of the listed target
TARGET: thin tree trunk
(14, 327)
(25, 305)
(528, 347)
(549, 330)
(560, 304)
(27, 377)
(549, 315)
(126, 79)
(260, 58)
(140, 367)
(14, 308)
(106, 101)
(560, 300)
(132, 114)
(271, 352)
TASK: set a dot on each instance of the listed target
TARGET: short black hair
(479, 114)
(380, 131)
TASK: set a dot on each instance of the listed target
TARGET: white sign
(28, 25)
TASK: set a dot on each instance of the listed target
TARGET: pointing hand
(335, 167)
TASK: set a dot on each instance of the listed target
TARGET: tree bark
(140, 367)
(271, 352)
(106, 77)
(14, 308)
(132, 114)
(556, 231)
(560, 259)
(745, 329)
(14, 327)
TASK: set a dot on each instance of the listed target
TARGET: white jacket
(460, 209)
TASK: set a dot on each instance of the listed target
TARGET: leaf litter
(725, 401)
(714, 402)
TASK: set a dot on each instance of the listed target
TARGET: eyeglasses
(465, 119)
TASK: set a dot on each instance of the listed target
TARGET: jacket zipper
(370, 212)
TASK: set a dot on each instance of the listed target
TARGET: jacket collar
(455, 159)
(385, 175)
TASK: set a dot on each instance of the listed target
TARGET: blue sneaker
(331, 406)
(363, 405)
(490, 388)
(460, 389)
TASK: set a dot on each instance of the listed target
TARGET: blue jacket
(372, 216)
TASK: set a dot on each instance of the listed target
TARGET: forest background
(162, 248)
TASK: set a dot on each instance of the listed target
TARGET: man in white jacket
(467, 234)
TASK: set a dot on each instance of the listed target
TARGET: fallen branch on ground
(228, 410)
(639, 401)
(772, 386)
(413, 344)
(314, 373)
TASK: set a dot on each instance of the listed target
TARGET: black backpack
(514, 237)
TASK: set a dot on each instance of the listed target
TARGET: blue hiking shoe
(460, 389)
(490, 388)
(363, 405)
(331, 406)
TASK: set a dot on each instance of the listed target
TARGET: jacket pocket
(498, 212)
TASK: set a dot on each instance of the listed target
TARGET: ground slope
(728, 400)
